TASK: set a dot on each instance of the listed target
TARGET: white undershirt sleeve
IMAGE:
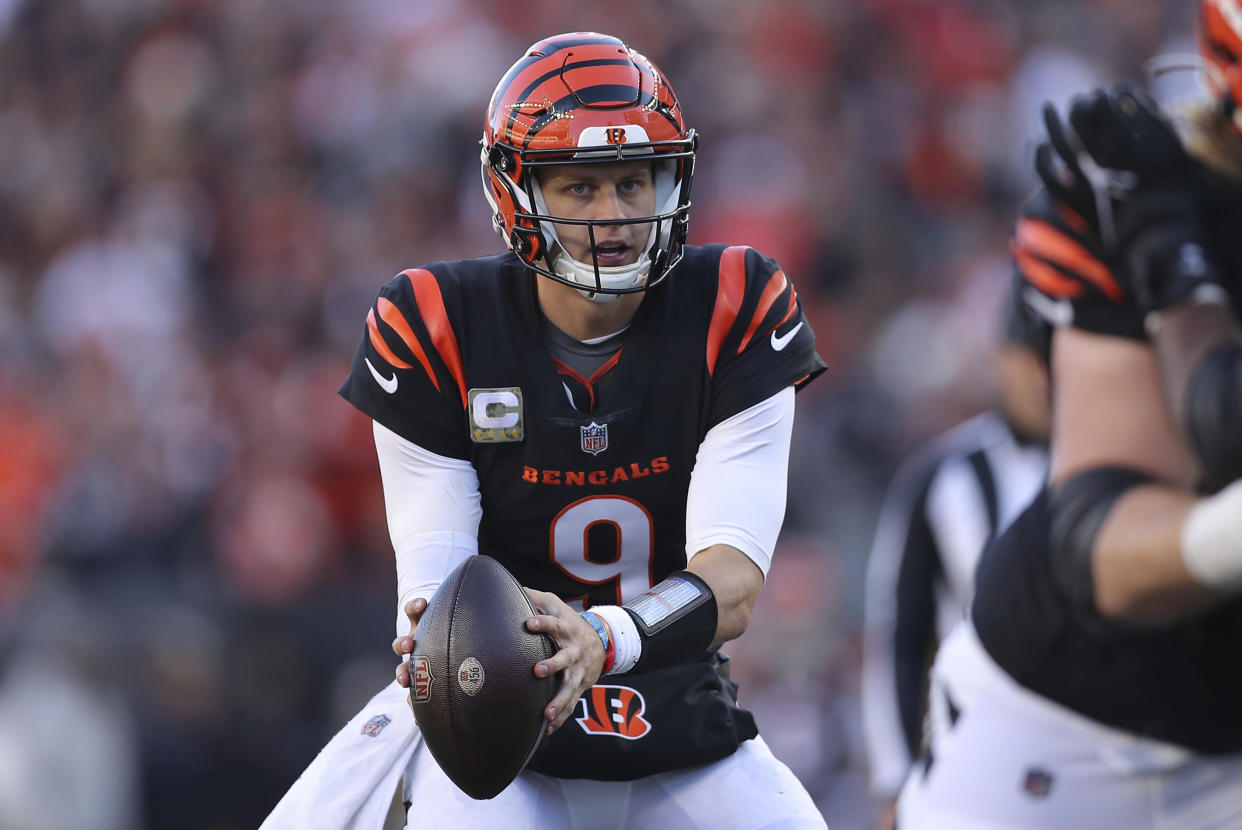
(737, 489)
(434, 508)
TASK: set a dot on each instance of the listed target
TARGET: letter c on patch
(496, 409)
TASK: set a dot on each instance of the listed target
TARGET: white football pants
(1013, 759)
(749, 790)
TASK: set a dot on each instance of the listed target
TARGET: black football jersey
(1179, 683)
(584, 481)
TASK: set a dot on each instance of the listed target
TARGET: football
(475, 695)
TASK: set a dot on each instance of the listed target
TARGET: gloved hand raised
(1120, 165)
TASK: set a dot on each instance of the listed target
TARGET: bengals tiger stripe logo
(614, 710)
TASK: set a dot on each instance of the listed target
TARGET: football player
(607, 412)
(946, 502)
(1097, 685)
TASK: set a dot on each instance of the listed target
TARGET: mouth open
(612, 253)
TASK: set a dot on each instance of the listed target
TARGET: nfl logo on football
(594, 438)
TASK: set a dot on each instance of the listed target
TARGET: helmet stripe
(609, 95)
(533, 87)
(532, 57)
(569, 102)
(548, 74)
(597, 40)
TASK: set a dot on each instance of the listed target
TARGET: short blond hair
(1211, 137)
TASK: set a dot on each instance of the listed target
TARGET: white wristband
(1212, 540)
(626, 644)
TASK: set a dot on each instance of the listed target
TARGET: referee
(945, 504)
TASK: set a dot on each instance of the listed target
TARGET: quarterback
(606, 411)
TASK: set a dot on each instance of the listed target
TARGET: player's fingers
(566, 711)
(566, 656)
(1060, 140)
(561, 706)
(552, 626)
(403, 674)
(544, 602)
(402, 646)
(414, 609)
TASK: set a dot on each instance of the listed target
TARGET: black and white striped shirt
(946, 503)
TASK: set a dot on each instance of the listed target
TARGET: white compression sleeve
(434, 508)
(737, 489)
(1212, 540)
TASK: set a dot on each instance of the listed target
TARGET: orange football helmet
(1220, 44)
(586, 98)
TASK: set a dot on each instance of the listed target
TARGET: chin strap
(616, 276)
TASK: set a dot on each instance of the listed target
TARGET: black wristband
(676, 621)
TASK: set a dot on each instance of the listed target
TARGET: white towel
(351, 782)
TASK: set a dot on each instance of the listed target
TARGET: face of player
(601, 192)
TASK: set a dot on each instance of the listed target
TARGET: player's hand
(579, 656)
(1161, 245)
(1121, 166)
(1112, 142)
(403, 646)
(1070, 275)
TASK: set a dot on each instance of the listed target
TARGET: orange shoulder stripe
(377, 341)
(729, 293)
(1038, 237)
(789, 312)
(392, 315)
(1043, 276)
(776, 284)
(435, 316)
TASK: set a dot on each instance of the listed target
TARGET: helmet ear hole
(500, 160)
(527, 243)
(519, 243)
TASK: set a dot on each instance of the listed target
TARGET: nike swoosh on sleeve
(779, 343)
(1058, 312)
(389, 385)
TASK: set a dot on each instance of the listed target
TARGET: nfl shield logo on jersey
(376, 725)
(1038, 782)
(594, 438)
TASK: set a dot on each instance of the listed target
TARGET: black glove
(1121, 166)
(1069, 274)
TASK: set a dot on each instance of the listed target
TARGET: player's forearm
(1183, 335)
(735, 581)
(1201, 370)
(1139, 569)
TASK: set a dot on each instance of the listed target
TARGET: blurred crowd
(198, 200)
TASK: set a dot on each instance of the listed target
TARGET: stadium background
(198, 200)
